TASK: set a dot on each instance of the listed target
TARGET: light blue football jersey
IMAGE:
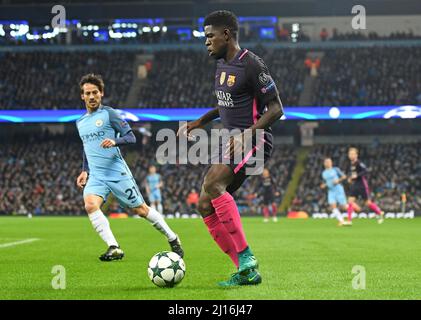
(104, 164)
(330, 175)
(153, 181)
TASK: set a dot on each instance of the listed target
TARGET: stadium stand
(180, 78)
(38, 175)
(369, 76)
(49, 80)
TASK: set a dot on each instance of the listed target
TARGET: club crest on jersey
(222, 78)
(231, 80)
(99, 123)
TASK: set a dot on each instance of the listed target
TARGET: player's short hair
(94, 79)
(223, 18)
(353, 149)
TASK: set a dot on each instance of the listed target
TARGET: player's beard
(94, 105)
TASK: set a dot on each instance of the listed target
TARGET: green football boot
(247, 260)
(252, 277)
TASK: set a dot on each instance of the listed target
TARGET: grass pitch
(299, 259)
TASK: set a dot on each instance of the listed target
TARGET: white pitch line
(16, 243)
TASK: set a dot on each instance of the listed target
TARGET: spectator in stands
(283, 34)
(193, 199)
(324, 34)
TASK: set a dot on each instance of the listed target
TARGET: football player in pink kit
(359, 187)
(247, 100)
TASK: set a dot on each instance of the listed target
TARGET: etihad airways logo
(92, 136)
(224, 98)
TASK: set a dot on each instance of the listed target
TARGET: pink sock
(350, 211)
(221, 237)
(266, 212)
(375, 208)
(274, 210)
(227, 212)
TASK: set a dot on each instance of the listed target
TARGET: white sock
(338, 214)
(153, 205)
(160, 209)
(102, 226)
(159, 223)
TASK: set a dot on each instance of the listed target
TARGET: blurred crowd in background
(369, 76)
(50, 80)
(359, 76)
(38, 176)
(185, 78)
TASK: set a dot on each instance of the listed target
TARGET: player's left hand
(336, 181)
(107, 143)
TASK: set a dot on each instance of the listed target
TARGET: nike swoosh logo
(252, 278)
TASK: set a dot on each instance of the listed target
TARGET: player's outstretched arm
(199, 123)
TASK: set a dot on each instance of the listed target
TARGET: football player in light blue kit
(153, 188)
(102, 131)
(332, 177)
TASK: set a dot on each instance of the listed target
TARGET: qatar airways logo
(224, 98)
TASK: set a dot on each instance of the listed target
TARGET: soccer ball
(166, 269)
